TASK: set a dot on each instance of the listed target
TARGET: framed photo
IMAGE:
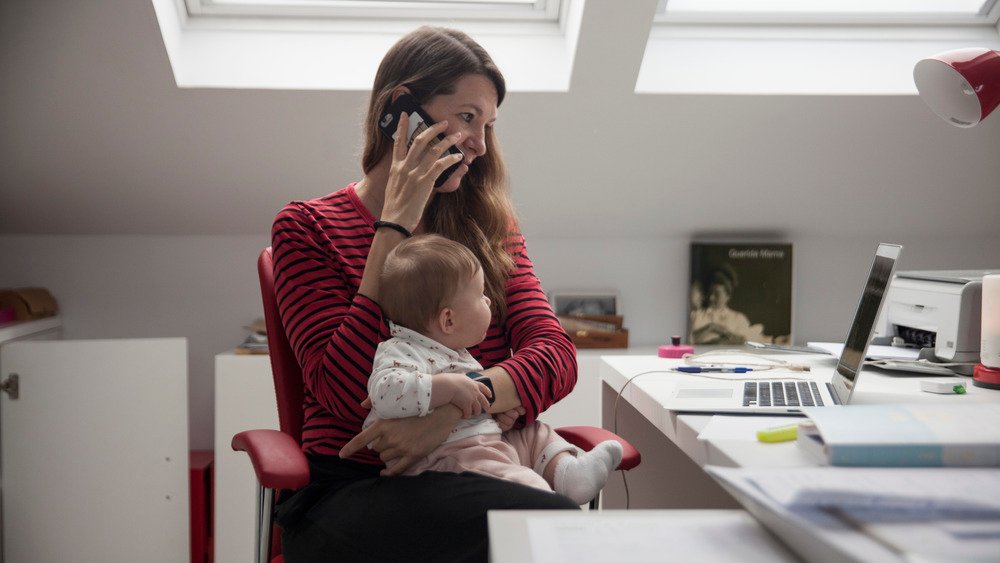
(740, 292)
(574, 304)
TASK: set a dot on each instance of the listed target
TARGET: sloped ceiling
(95, 138)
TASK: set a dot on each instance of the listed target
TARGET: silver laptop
(750, 393)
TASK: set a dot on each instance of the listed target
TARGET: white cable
(614, 418)
(755, 362)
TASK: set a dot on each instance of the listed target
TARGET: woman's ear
(398, 91)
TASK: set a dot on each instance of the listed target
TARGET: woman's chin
(454, 181)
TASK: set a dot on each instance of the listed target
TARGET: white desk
(672, 471)
(686, 535)
(644, 395)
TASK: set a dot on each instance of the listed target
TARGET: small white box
(954, 386)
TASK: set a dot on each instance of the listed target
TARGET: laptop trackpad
(704, 393)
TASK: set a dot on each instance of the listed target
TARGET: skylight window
(831, 12)
(838, 47)
(481, 10)
(338, 44)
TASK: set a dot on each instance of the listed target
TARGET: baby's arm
(399, 386)
(470, 396)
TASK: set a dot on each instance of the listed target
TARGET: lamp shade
(961, 86)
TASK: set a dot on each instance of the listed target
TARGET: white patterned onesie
(400, 387)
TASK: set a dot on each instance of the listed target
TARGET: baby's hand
(471, 397)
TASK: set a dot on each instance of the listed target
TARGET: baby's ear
(445, 322)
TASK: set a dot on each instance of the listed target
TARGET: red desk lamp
(961, 86)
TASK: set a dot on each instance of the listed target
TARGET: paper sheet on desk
(874, 352)
(920, 490)
(742, 428)
(636, 539)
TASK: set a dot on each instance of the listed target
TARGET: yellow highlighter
(778, 433)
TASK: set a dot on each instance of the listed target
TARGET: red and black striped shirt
(320, 248)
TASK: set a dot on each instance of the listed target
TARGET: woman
(328, 254)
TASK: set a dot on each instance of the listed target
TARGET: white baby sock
(582, 477)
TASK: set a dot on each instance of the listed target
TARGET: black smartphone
(419, 120)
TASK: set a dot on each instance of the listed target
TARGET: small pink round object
(675, 349)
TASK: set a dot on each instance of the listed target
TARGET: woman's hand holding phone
(414, 170)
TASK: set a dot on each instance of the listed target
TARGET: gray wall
(142, 207)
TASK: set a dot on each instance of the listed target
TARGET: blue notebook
(904, 435)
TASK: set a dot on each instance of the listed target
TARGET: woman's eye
(466, 117)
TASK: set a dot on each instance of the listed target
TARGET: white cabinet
(244, 400)
(95, 451)
(42, 329)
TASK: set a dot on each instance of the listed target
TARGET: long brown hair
(429, 62)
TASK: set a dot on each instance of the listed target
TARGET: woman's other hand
(405, 441)
(414, 170)
(507, 419)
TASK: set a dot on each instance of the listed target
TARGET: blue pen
(699, 369)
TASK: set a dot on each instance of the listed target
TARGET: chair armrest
(277, 458)
(586, 437)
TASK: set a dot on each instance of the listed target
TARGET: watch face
(489, 383)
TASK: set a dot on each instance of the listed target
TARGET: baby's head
(434, 285)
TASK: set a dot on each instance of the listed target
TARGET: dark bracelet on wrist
(394, 226)
(485, 380)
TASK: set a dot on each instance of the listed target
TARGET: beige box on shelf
(595, 331)
(29, 303)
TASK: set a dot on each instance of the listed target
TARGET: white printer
(938, 311)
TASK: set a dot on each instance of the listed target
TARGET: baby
(432, 290)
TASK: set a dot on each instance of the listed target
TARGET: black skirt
(349, 513)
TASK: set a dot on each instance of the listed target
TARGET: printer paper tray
(909, 368)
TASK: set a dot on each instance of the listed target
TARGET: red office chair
(277, 456)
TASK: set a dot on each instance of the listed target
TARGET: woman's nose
(476, 143)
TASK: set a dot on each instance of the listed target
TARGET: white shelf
(39, 328)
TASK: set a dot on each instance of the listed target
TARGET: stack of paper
(955, 492)
(866, 514)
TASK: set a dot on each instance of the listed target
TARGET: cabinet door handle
(11, 386)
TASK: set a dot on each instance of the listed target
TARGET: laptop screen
(856, 345)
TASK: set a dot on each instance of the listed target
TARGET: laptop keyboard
(781, 394)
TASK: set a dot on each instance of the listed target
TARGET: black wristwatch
(476, 376)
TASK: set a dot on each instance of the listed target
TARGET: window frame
(989, 15)
(376, 10)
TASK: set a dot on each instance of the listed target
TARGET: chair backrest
(284, 367)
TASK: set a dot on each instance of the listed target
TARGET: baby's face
(471, 310)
